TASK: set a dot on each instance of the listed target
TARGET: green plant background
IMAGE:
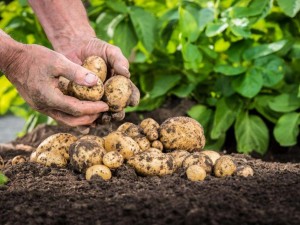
(238, 59)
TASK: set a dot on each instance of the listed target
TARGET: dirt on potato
(44, 195)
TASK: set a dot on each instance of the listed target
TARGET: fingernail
(90, 78)
(126, 71)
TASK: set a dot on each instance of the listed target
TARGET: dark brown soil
(41, 195)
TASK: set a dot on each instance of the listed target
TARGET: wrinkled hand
(35, 71)
(115, 60)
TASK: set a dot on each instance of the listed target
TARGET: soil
(44, 195)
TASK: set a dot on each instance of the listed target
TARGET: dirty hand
(35, 70)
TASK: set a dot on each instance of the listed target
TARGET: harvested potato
(200, 159)
(98, 170)
(59, 142)
(157, 144)
(18, 159)
(51, 159)
(244, 171)
(117, 91)
(154, 151)
(195, 173)
(213, 155)
(129, 129)
(63, 85)
(224, 166)
(179, 156)
(150, 128)
(125, 145)
(33, 157)
(85, 153)
(143, 142)
(95, 138)
(113, 160)
(94, 93)
(97, 66)
(152, 164)
(1, 163)
(182, 133)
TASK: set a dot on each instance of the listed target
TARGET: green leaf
(3, 179)
(229, 70)
(249, 84)
(216, 28)
(256, 7)
(251, 134)
(225, 115)
(261, 104)
(286, 130)
(192, 56)
(289, 7)
(205, 16)
(202, 114)
(188, 25)
(286, 102)
(263, 50)
(215, 144)
(163, 83)
(104, 26)
(183, 90)
(144, 24)
(117, 6)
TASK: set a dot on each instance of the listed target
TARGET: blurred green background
(239, 60)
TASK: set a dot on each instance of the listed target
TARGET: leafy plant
(3, 179)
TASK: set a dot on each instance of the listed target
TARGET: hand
(35, 70)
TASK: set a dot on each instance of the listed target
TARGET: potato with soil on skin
(95, 138)
(85, 153)
(157, 144)
(113, 160)
(179, 156)
(59, 142)
(150, 128)
(182, 133)
(200, 159)
(143, 142)
(213, 155)
(224, 166)
(1, 163)
(97, 66)
(18, 160)
(195, 173)
(130, 129)
(51, 159)
(33, 157)
(98, 170)
(63, 85)
(152, 164)
(244, 171)
(125, 145)
(117, 92)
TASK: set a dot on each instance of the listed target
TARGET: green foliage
(238, 59)
(3, 179)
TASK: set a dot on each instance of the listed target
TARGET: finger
(118, 116)
(135, 95)
(117, 61)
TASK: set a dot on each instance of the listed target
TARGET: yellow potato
(157, 144)
(51, 159)
(143, 142)
(97, 66)
(63, 85)
(1, 163)
(195, 173)
(18, 159)
(200, 159)
(179, 156)
(130, 129)
(86, 153)
(244, 171)
(98, 170)
(224, 166)
(150, 128)
(213, 155)
(98, 139)
(94, 93)
(182, 133)
(154, 151)
(113, 160)
(33, 157)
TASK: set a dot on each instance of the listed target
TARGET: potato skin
(182, 133)
(213, 155)
(63, 85)
(96, 65)
(200, 159)
(50, 159)
(1, 163)
(33, 157)
(130, 129)
(143, 142)
(94, 93)
(98, 170)
(195, 173)
(150, 128)
(244, 171)
(157, 144)
(117, 91)
(179, 156)
(224, 166)
(113, 160)
(18, 160)
(95, 138)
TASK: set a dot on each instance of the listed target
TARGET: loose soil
(42, 195)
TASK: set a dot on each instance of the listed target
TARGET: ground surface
(40, 195)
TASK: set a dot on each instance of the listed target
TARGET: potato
(85, 153)
(244, 171)
(63, 85)
(33, 157)
(213, 155)
(152, 164)
(18, 159)
(117, 141)
(130, 129)
(154, 151)
(195, 173)
(157, 144)
(150, 128)
(98, 170)
(95, 138)
(143, 142)
(200, 159)
(97, 66)
(179, 156)
(94, 93)
(113, 160)
(1, 163)
(117, 92)
(182, 133)
(59, 142)
(50, 158)
(224, 166)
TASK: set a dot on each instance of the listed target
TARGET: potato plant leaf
(216, 28)
(229, 70)
(289, 7)
(286, 102)
(261, 104)
(3, 179)
(202, 114)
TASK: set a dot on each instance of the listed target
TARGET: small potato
(179, 156)
(59, 142)
(113, 160)
(98, 170)
(18, 160)
(130, 129)
(97, 66)
(182, 133)
(86, 153)
(150, 128)
(154, 151)
(195, 173)
(63, 85)
(51, 159)
(152, 164)
(117, 91)
(244, 171)
(33, 157)
(1, 163)
(94, 93)
(95, 138)
(213, 155)
(143, 142)
(117, 141)
(200, 159)
(157, 144)
(224, 166)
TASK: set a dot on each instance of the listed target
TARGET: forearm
(64, 21)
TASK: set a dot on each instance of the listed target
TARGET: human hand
(35, 71)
